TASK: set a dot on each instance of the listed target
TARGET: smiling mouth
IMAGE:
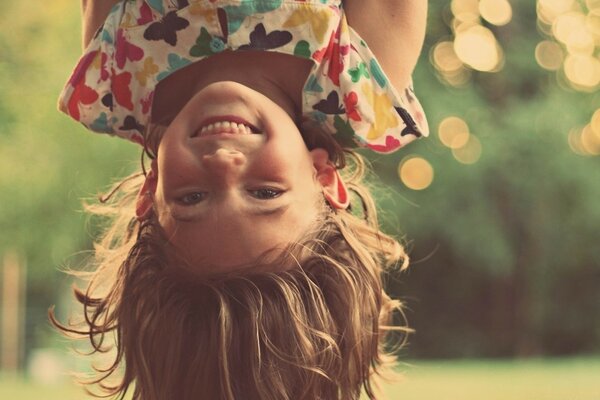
(228, 125)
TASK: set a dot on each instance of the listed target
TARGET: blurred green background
(499, 207)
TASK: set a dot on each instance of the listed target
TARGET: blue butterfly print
(175, 62)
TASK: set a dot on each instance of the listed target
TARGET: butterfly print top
(143, 41)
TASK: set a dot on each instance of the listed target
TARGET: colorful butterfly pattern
(142, 42)
(174, 62)
(207, 45)
(148, 69)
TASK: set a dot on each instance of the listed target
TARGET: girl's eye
(266, 193)
(192, 198)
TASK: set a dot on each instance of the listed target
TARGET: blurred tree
(506, 249)
(47, 164)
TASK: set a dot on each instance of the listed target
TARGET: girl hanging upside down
(246, 261)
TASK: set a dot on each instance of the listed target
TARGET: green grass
(564, 379)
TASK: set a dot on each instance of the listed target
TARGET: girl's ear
(145, 199)
(334, 188)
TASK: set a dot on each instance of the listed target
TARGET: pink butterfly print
(126, 51)
(350, 102)
(121, 90)
(82, 94)
(147, 102)
(145, 14)
(334, 53)
(104, 75)
(82, 68)
(319, 54)
(391, 144)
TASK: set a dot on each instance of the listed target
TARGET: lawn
(566, 379)
(570, 379)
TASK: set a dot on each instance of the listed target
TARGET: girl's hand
(394, 30)
(93, 14)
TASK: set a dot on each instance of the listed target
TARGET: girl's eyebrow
(253, 211)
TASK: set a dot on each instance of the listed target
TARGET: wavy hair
(317, 328)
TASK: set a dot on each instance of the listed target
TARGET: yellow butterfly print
(97, 62)
(199, 8)
(383, 110)
(319, 20)
(128, 21)
(148, 70)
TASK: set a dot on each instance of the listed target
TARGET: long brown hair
(314, 329)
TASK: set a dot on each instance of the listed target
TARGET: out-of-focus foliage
(505, 238)
(503, 233)
(48, 165)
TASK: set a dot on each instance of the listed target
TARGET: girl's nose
(224, 163)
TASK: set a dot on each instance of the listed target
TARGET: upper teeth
(225, 127)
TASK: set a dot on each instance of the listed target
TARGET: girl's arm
(93, 14)
(394, 30)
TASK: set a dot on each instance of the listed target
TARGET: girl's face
(225, 194)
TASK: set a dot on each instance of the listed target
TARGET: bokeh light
(416, 173)
(465, 10)
(453, 132)
(448, 65)
(566, 24)
(470, 153)
(549, 55)
(582, 71)
(496, 12)
(592, 23)
(574, 28)
(586, 141)
(477, 48)
(593, 5)
(590, 141)
(574, 139)
(595, 123)
(445, 58)
(581, 41)
(549, 10)
(473, 46)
